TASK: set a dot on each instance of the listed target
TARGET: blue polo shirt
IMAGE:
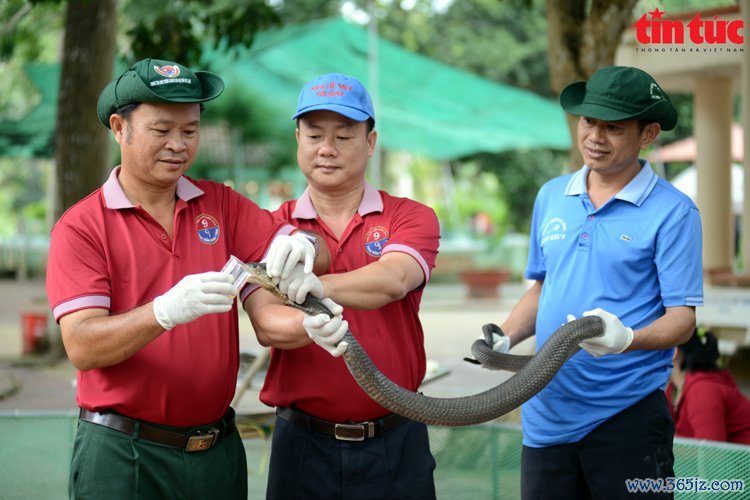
(634, 256)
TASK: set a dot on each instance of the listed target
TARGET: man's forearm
(672, 329)
(521, 323)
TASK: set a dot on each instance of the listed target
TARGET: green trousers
(108, 464)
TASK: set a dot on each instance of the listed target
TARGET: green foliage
(675, 6)
(475, 192)
(521, 174)
(22, 195)
(243, 109)
(502, 41)
(300, 11)
(480, 192)
(20, 35)
(21, 41)
(178, 29)
(254, 122)
(683, 129)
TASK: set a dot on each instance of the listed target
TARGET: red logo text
(697, 30)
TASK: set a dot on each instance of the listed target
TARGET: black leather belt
(355, 431)
(197, 442)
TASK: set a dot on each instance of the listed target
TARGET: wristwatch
(312, 239)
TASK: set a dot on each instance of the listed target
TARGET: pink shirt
(309, 378)
(106, 253)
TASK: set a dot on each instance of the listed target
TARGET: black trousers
(307, 465)
(634, 444)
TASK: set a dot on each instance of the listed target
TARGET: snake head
(488, 330)
(258, 275)
(259, 267)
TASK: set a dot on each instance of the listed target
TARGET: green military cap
(617, 93)
(155, 80)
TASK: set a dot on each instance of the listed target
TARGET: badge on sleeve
(208, 228)
(375, 240)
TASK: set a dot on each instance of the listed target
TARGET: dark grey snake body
(533, 372)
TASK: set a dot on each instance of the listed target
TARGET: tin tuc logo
(698, 31)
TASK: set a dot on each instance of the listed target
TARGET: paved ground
(451, 323)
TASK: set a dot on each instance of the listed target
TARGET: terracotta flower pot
(484, 284)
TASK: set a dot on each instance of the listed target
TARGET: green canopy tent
(423, 106)
(33, 135)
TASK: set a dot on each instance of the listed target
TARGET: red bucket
(34, 328)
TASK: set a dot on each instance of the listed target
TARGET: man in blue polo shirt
(615, 241)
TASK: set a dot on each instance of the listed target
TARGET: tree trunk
(581, 42)
(82, 151)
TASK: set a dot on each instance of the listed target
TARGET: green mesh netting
(474, 463)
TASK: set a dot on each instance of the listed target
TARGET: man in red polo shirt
(382, 251)
(146, 317)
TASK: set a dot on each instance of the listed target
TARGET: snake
(532, 373)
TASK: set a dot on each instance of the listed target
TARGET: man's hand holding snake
(299, 283)
(617, 337)
(327, 331)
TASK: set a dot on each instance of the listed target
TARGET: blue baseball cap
(338, 93)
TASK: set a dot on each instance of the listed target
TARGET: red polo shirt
(311, 379)
(711, 407)
(107, 253)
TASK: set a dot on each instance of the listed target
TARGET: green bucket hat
(154, 80)
(617, 93)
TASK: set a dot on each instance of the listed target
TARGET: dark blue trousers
(635, 443)
(305, 464)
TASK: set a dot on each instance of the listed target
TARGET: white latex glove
(286, 251)
(299, 283)
(193, 296)
(500, 343)
(617, 337)
(327, 332)
(332, 306)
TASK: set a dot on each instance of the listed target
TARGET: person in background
(704, 398)
(615, 241)
(146, 316)
(331, 440)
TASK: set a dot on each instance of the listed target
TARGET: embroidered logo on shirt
(375, 240)
(625, 237)
(208, 228)
(554, 230)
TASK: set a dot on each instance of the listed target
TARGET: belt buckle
(201, 442)
(354, 432)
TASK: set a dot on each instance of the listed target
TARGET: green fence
(480, 462)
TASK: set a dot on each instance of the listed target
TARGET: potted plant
(485, 278)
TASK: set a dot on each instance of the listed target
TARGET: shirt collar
(371, 202)
(115, 198)
(635, 192)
